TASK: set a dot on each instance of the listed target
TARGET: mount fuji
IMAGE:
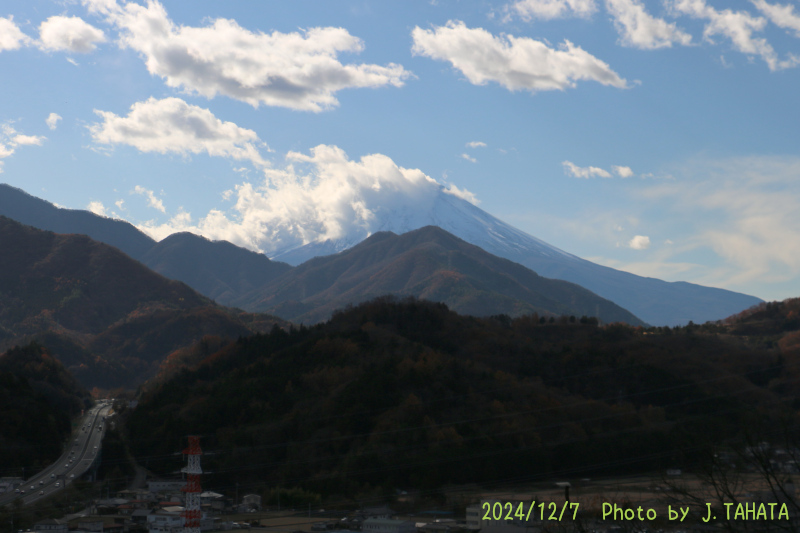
(655, 301)
(226, 270)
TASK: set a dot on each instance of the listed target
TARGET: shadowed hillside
(410, 394)
(111, 317)
(34, 386)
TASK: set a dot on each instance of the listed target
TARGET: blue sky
(657, 137)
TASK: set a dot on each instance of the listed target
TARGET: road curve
(76, 460)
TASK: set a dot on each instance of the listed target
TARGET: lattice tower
(192, 513)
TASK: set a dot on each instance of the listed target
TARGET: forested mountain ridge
(227, 273)
(408, 393)
(108, 318)
(218, 270)
(427, 263)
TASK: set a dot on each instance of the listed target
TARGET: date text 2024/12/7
(546, 511)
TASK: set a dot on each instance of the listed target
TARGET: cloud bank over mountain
(323, 195)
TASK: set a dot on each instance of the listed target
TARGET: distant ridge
(427, 263)
(217, 269)
(228, 273)
(655, 301)
(22, 207)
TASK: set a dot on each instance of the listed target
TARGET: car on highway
(41, 482)
(52, 476)
(41, 493)
(58, 483)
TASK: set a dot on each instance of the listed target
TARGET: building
(386, 525)
(474, 517)
(163, 485)
(92, 525)
(139, 516)
(252, 501)
(164, 522)
(8, 484)
(51, 526)
(212, 501)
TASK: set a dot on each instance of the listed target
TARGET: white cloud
(468, 158)
(781, 15)
(294, 70)
(476, 144)
(622, 172)
(738, 26)
(97, 208)
(120, 203)
(584, 172)
(152, 200)
(72, 34)
(52, 120)
(746, 213)
(639, 29)
(516, 63)
(464, 194)
(315, 197)
(11, 37)
(639, 242)
(551, 9)
(173, 126)
(21, 140)
(10, 140)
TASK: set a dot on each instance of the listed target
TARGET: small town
(181, 504)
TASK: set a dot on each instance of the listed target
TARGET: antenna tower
(192, 513)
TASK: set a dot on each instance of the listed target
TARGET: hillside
(35, 386)
(227, 273)
(217, 269)
(111, 317)
(409, 394)
(652, 300)
(427, 263)
(22, 207)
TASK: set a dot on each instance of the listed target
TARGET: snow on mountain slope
(654, 301)
(447, 211)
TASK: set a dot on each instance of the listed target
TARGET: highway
(75, 461)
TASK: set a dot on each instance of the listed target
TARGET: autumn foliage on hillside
(108, 318)
(408, 393)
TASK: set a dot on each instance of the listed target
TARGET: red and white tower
(192, 513)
